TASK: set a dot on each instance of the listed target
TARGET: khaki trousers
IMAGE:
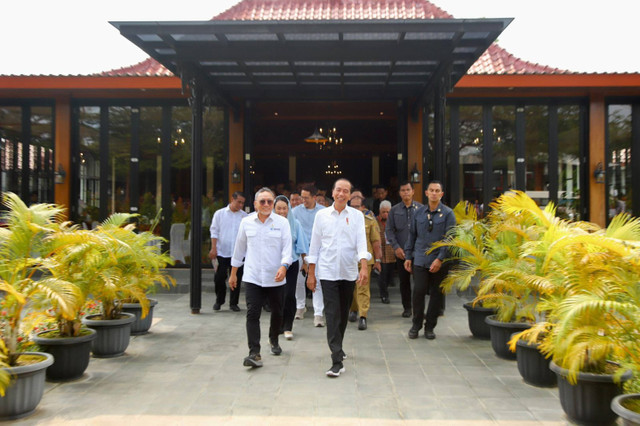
(362, 297)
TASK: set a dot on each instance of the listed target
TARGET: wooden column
(62, 191)
(197, 108)
(597, 191)
(414, 152)
(236, 137)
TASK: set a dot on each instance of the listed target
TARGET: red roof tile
(259, 10)
(495, 60)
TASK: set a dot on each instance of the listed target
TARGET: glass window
(537, 153)
(41, 155)
(569, 162)
(471, 149)
(619, 167)
(119, 159)
(10, 147)
(504, 149)
(150, 167)
(89, 165)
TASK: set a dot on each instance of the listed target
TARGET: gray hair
(386, 204)
(264, 189)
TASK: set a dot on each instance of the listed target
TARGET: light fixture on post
(59, 175)
(235, 174)
(414, 174)
(599, 173)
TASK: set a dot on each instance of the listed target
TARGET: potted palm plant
(26, 286)
(149, 244)
(71, 250)
(591, 326)
(125, 267)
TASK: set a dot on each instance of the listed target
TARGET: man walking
(388, 255)
(224, 229)
(397, 233)
(306, 214)
(362, 293)
(430, 224)
(338, 243)
(264, 242)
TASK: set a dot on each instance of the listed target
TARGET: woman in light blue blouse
(282, 207)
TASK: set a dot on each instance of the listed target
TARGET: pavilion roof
(495, 60)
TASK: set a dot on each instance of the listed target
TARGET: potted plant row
(50, 272)
(577, 287)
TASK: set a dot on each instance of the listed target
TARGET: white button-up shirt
(224, 228)
(264, 248)
(338, 242)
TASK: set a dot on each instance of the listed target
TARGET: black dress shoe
(216, 306)
(413, 333)
(385, 300)
(362, 324)
(429, 334)
(353, 316)
(267, 308)
(406, 313)
(235, 308)
(275, 348)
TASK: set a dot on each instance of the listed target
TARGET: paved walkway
(188, 370)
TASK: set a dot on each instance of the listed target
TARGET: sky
(74, 36)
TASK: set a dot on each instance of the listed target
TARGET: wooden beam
(597, 191)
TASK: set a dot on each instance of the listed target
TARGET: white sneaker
(288, 335)
(318, 321)
(300, 313)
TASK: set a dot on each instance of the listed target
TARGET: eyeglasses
(263, 202)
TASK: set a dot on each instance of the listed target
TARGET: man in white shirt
(338, 243)
(305, 213)
(224, 229)
(264, 242)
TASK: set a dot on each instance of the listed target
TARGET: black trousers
(425, 282)
(385, 277)
(220, 281)
(405, 284)
(256, 295)
(289, 297)
(337, 296)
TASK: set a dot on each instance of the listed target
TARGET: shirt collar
(269, 218)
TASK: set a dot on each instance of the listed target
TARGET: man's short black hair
(310, 188)
(295, 191)
(406, 182)
(344, 179)
(436, 182)
(238, 194)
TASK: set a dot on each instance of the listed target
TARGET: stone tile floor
(188, 370)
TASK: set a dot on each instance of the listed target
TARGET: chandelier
(333, 169)
(325, 139)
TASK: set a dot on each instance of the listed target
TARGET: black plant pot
(112, 335)
(71, 354)
(501, 334)
(629, 417)
(24, 394)
(588, 402)
(533, 366)
(476, 315)
(140, 325)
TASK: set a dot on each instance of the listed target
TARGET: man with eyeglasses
(430, 224)
(305, 213)
(264, 242)
(223, 230)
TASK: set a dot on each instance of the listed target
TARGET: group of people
(287, 246)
